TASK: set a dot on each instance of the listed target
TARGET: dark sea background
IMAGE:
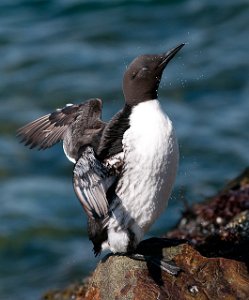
(66, 51)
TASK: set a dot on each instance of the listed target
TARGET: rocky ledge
(210, 245)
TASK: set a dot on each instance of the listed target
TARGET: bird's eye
(143, 72)
(133, 75)
(140, 73)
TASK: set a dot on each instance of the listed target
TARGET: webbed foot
(163, 263)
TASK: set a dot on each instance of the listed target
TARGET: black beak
(169, 55)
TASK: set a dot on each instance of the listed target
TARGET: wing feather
(91, 181)
(111, 139)
(51, 128)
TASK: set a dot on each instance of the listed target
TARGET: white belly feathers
(151, 159)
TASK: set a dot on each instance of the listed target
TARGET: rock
(219, 226)
(214, 263)
(122, 278)
(202, 278)
(73, 291)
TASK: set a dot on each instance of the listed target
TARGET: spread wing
(92, 179)
(50, 129)
(95, 176)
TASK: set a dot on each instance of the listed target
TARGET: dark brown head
(142, 78)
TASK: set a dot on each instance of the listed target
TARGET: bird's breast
(150, 163)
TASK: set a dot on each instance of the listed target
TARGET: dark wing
(95, 183)
(91, 181)
(50, 129)
(111, 139)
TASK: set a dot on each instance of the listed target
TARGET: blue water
(60, 51)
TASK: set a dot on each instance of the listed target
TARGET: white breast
(151, 160)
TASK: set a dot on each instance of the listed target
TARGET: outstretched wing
(92, 179)
(50, 129)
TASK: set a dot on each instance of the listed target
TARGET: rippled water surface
(60, 51)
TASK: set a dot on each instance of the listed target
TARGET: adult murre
(125, 168)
